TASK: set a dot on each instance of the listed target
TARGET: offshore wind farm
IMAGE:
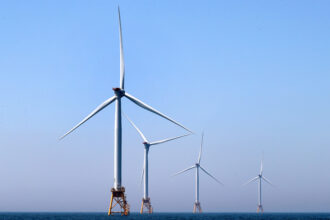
(251, 76)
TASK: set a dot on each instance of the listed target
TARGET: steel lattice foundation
(146, 205)
(118, 199)
(260, 209)
(197, 207)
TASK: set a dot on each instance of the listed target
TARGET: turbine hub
(119, 92)
(197, 164)
(146, 145)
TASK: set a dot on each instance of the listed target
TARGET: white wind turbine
(145, 173)
(119, 92)
(197, 205)
(260, 177)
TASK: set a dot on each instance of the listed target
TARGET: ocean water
(167, 216)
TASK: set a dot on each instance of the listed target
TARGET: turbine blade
(98, 109)
(211, 175)
(264, 178)
(261, 165)
(200, 152)
(138, 130)
(147, 107)
(251, 180)
(168, 139)
(122, 64)
(184, 170)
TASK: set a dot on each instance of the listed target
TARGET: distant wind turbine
(145, 173)
(260, 177)
(197, 205)
(118, 192)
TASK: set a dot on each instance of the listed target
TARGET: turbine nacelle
(119, 92)
(197, 165)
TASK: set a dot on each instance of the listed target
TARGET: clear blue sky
(253, 74)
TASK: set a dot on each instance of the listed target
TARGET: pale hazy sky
(254, 75)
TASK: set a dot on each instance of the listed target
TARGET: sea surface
(167, 216)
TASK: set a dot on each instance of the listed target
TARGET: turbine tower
(197, 205)
(145, 173)
(118, 191)
(260, 177)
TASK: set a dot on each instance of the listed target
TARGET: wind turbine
(118, 191)
(197, 205)
(145, 173)
(260, 177)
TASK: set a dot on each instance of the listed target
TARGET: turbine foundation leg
(260, 209)
(197, 207)
(118, 202)
(146, 206)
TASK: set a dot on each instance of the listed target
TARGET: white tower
(145, 174)
(197, 166)
(260, 177)
(118, 191)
